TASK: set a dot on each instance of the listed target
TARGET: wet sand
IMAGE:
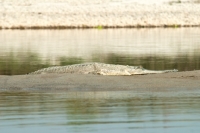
(179, 83)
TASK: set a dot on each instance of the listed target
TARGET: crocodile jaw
(112, 72)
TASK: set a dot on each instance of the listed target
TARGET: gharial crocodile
(99, 68)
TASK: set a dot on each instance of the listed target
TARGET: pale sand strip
(102, 13)
(155, 85)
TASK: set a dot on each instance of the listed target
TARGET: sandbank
(99, 14)
(168, 84)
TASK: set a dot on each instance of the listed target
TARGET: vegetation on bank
(99, 27)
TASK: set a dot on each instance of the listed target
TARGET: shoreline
(158, 85)
(93, 27)
(66, 15)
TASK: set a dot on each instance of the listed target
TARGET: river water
(24, 51)
(42, 112)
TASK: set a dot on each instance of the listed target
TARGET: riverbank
(99, 14)
(173, 84)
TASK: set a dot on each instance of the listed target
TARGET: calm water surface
(42, 112)
(24, 51)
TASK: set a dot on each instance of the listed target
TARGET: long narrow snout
(145, 71)
(154, 72)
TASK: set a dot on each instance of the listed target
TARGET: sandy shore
(101, 13)
(180, 83)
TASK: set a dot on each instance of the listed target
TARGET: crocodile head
(136, 70)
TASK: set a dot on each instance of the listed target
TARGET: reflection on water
(57, 112)
(24, 51)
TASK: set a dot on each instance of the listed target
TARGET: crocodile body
(100, 68)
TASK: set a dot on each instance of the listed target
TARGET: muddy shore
(179, 83)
